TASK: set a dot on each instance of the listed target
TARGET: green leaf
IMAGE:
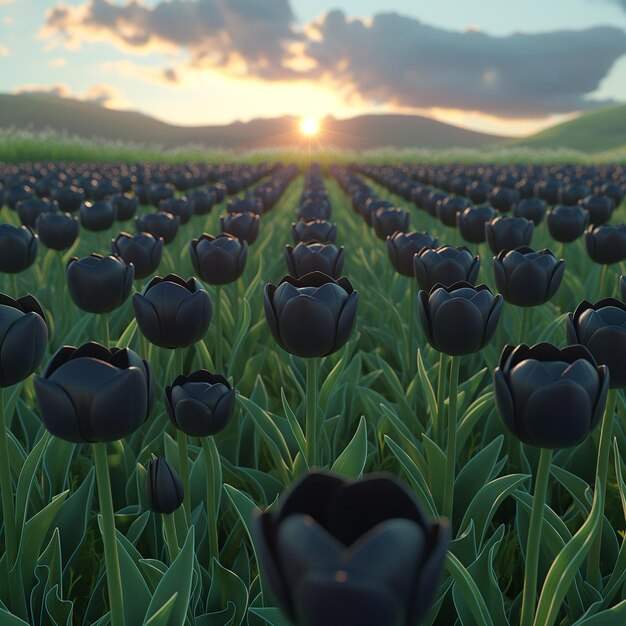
(162, 616)
(177, 580)
(566, 565)
(351, 462)
(127, 336)
(135, 591)
(431, 399)
(8, 619)
(274, 617)
(615, 616)
(294, 425)
(469, 590)
(227, 587)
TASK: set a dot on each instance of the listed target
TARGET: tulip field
(377, 392)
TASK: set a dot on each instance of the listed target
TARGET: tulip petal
(347, 320)
(57, 411)
(22, 349)
(147, 319)
(192, 319)
(458, 328)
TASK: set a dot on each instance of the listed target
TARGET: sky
(507, 68)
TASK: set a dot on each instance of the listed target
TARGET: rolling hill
(592, 132)
(39, 112)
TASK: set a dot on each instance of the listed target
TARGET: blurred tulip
(567, 223)
(30, 210)
(97, 216)
(180, 207)
(92, 394)
(355, 554)
(316, 230)
(124, 207)
(242, 225)
(18, 248)
(388, 221)
(606, 244)
(57, 231)
(533, 209)
(160, 225)
(471, 222)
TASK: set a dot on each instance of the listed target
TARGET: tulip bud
(550, 398)
(97, 216)
(30, 210)
(18, 248)
(201, 404)
(312, 316)
(355, 554)
(23, 338)
(218, 260)
(402, 247)
(241, 225)
(471, 222)
(91, 394)
(508, 233)
(143, 251)
(201, 202)
(124, 207)
(57, 231)
(69, 199)
(533, 209)
(164, 489)
(600, 208)
(314, 257)
(180, 207)
(316, 230)
(387, 221)
(99, 284)
(527, 278)
(173, 313)
(449, 207)
(567, 223)
(160, 225)
(606, 244)
(459, 319)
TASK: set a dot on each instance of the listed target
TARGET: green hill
(84, 119)
(592, 132)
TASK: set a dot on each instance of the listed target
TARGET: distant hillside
(86, 119)
(592, 132)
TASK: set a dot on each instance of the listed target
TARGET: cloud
(102, 94)
(146, 73)
(400, 60)
(388, 60)
(4, 51)
(252, 33)
(57, 62)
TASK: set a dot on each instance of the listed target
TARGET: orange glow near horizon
(309, 126)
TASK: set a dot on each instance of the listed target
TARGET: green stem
(603, 276)
(411, 331)
(6, 486)
(13, 281)
(219, 345)
(448, 494)
(183, 468)
(441, 397)
(106, 337)
(170, 536)
(312, 426)
(114, 579)
(214, 479)
(594, 575)
(533, 543)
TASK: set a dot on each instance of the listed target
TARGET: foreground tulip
(402, 247)
(527, 278)
(18, 248)
(143, 251)
(23, 339)
(164, 495)
(351, 554)
(315, 230)
(508, 233)
(548, 398)
(93, 394)
(218, 260)
(171, 312)
(445, 266)
(314, 257)
(311, 317)
(57, 231)
(99, 284)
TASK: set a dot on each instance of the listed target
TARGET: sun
(309, 127)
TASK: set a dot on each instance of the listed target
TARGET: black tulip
(387, 221)
(17, 193)
(402, 247)
(471, 222)
(355, 554)
(242, 225)
(218, 260)
(142, 250)
(601, 328)
(533, 209)
(503, 199)
(18, 248)
(567, 223)
(313, 209)
(312, 316)
(314, 257)
(201, 202)
(527, 278)
(550, 398)
(57, 231)
(606, 244)
(445, 265)
(459, 319)
(23, 338)
(449, 207)
(181, 207)
(158, 193)
(69, 199)
(508, 233)
(316, 230)
(99, 284)
(201, 404)
(479, 192)
(97, 216)
(161, 225)
(171, 312)
(164, 489)
(600, 208)
(124, 206)
(29, 210)
(622, 287)
(91, 394)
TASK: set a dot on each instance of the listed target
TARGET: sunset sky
(501, 67)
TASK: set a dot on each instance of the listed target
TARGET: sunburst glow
(309, 127)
